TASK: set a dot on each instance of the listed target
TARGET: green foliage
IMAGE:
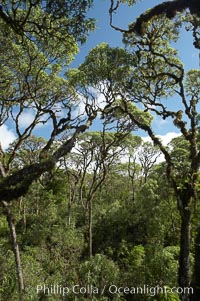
(8, 281)
(50, 23)
(168, 296)
(129, 2)
(192, 84)
(135, 221)
(105, 60)
(99, 271)
(179, 150)
(133, 240)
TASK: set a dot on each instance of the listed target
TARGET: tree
(95, 155)
(164, 81)
(42, 21)
(132, 167)
(42, 37)
(155, 75)
(147, 157)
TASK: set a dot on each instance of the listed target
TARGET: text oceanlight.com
(111, 289)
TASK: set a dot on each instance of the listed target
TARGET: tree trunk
(15, 247)
(69, 208)
(184, 257)
(90, 229)
(69, 214)
(196, 275)
(133, 189)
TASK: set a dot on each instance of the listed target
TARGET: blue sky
(124, 16)
(103, 32)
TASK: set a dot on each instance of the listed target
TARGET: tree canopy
(82, 207)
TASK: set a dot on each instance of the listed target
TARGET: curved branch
(18, 183)
(169, 8)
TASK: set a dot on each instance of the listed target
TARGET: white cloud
(166, 138)
(6, 136)
(146, 139)
(26, 118)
